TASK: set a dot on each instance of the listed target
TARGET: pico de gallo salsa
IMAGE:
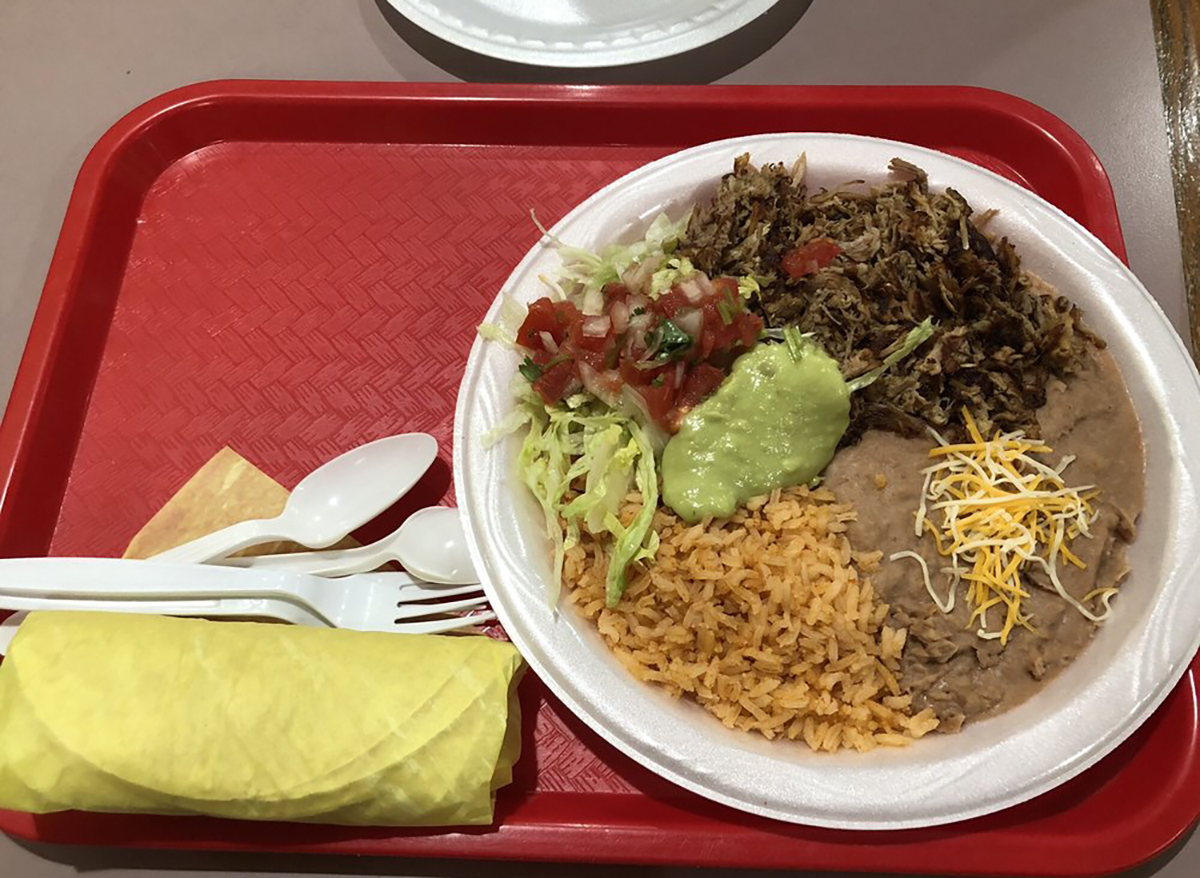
(672, 351)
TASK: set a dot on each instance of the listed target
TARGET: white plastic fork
(365, 602)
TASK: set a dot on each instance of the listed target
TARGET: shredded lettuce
(912, 341)
(617, 457)
(638, 541)
(591, 271)
(672, 273)
(509, 318)
(609, 477)
(612, 454)
(748, 287)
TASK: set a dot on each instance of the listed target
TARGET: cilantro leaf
(531, 370)
(670, 341)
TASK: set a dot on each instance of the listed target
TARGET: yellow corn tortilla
(148, 714)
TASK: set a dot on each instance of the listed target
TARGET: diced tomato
(727, 330)
(660, 397)
(702, 380)
(722, 338)
(586, 342)
(716, 333)
(636, 377)
(727, 287)
(615, 292)
(598, 360)
(630, 373)
(749, 327)
(811, 257)
(708, 340)
(671, 303)
(555, 381)
(556, 318)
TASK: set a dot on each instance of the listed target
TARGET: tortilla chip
(224, 491)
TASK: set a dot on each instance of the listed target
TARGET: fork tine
(440, 626)
(423, 591)
(416, 611)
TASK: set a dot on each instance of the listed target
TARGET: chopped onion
(705, 284)
(638, 301)
(599, 385)
(548, 342)
(691, 289)
(597, 327)
(690, 321)
(635, 339)
(620, 317)
(679, 374)
(640, 322)
(637, 277)
(593, 301)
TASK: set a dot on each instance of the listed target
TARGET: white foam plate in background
(580, 33)
(1097, 702)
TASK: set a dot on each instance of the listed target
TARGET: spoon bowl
(332, 500)
(430, 545)
(433, 547)
(355, 487)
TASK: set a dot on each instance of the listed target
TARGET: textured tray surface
(292, 269)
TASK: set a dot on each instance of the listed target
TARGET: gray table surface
(69, 68)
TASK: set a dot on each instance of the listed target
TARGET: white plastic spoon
(329, 502)
(430, 545)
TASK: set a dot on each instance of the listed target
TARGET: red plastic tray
(294, 268)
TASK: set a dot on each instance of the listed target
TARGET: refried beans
(945, 665)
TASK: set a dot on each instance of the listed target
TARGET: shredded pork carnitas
(906, 254)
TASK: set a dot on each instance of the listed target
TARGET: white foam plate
(580, 33)
(1096, 703)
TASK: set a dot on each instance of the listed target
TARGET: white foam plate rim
(582, 33)
(1073, 722)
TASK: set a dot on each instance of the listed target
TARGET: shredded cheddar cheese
(1000, 511)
